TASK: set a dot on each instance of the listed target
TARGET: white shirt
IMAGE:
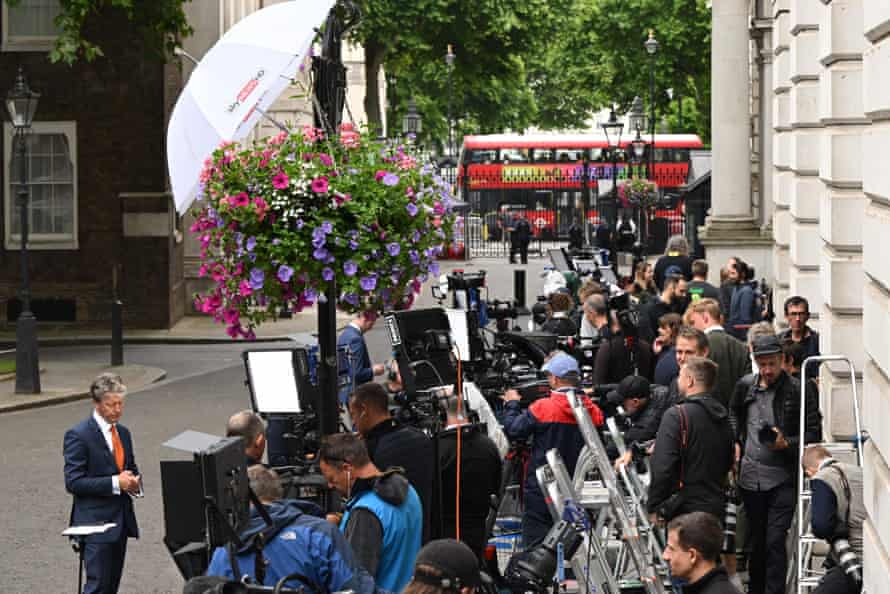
(710, 329)
(105, 428)
(357, 327)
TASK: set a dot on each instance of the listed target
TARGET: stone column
(782, 175)
(842, 205)
(876, 297)
(730, 230)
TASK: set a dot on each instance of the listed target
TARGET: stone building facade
(819, 85)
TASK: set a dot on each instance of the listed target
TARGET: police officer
(838, 511)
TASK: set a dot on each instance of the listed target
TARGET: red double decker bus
(560, 180)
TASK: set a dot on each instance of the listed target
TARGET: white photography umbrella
(234, 84)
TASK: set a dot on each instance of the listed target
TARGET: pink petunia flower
(320, 185)
(240, 200)
(244, 289)
(280, 181)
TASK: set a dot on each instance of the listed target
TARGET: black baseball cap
(456, 562)
(766, 345)
(633, 386)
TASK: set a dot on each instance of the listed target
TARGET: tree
(161, 23)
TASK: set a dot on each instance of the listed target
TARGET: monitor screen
(273, 382)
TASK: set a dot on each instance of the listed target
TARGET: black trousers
(769, 516)
(837, 582)
(105, 565)
(522, 248)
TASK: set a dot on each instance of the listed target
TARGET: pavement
(67, 377)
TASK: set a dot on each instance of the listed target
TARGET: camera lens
(847, 559)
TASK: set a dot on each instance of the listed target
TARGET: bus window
(514, 155)
(542, 155)
(483, 156)
(597, 155)
(568, 155)
(681, 155)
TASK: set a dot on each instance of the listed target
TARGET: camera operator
(480, 477)
(765, 411)
(838, 511)
(391, 444)
(672, 299)
(296, 542)
(595, 320)
(558, 321)
(249, 426)
(621, 356)
(693, 448)
(552, 424)
(643, 407)
(383, 521)
(693, 552)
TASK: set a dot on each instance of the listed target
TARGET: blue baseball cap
(561, 365)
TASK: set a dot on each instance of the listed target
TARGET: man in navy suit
(353, 337)
(101, 473)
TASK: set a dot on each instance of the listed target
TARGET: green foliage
(160, 22)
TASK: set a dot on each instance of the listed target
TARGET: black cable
(433, 367)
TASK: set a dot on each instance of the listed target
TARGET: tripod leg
(80, 563)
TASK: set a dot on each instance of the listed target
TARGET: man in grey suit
(729, 353)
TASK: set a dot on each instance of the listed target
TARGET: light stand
(21, 103)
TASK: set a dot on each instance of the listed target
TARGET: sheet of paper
(87, 530)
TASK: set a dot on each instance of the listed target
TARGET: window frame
(39, 241)
(22, 43)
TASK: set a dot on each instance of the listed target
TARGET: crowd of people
(709, 391)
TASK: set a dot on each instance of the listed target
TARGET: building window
(30, 25)
(51, 165)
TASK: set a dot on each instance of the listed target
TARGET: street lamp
(612, 129)
(651, 46)
(637, 121)
(21, 103)
(411, 122)
(449, 62)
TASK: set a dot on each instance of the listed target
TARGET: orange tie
(118, 448)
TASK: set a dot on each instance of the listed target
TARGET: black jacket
(666, 265)
(786, 411)
(391, 444)
(644, 425)
(613, 362)
(705, 463)
(715, 581)
(480, 478)
(561, 326)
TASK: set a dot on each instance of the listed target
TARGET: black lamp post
(637, 121)
(21, 103)
(412, 123)
(651, 45)
(449, 62)
(612, 129)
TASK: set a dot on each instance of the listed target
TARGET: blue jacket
(552, 423)
(395, 503)
(358, 354)
(89, 466)
(297, 542)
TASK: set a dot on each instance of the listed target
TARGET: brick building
(99, 213)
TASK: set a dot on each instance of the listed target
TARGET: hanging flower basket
(638, 192)
(281, 219)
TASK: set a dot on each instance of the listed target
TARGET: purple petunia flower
(321, 254)
(327, 274)
(393, 249)
(309, 295)
(257, 278)
(395, 276)
(351, 298)
(412, 209)
(350, 268)
(353, 244)
(317, 242)
(285, 273)
(415, 257)
(434, 268)
(251, 244)
(390, 179)
(368, 283)
(327, 227)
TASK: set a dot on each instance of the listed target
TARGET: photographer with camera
(296, 542)
(551, 422)
(838, 511)
(693, 448)
(643, 406)
(479, 465)
(391, 444)
(249, 426)
(765, 411)
(383, 520)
